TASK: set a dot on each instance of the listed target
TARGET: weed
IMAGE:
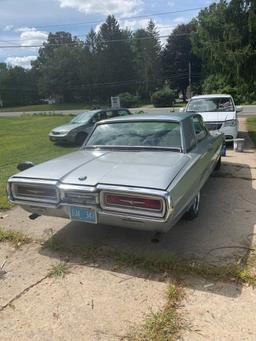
(172, 265)
(53, 243)
(15, 237)
(59, 270)
(162, 325)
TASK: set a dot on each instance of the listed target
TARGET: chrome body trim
(12, 182)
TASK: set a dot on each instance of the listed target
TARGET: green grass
(59, 270)
(15, 237)
(26, 138)
(163, 325)
(46, 107)
(251, 126)
(241, 271)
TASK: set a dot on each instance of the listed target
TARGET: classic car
(80, 126)
(142, 171)
(219, 113)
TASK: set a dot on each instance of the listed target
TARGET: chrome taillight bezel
(33, 185)
(132, 210)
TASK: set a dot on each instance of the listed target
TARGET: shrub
(128, 100)
(163, 98)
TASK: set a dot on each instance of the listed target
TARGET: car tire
(218, 164)
(193, 211)
(80, 137)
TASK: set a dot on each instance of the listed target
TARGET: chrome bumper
(104, 216)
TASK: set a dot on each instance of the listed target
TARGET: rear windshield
(211, 104)
(137, 134)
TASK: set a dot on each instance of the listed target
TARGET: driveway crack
(23, 292)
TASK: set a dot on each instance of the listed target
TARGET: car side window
(97, 117)
(199, 128)
(111, 113)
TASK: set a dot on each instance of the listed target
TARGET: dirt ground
(100, 300)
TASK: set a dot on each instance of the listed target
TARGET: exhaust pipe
(34, 216)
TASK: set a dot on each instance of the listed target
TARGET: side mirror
(239, 108)
(25, 165)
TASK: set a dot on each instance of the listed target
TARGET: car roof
(172, 117)
(211, 96)
(94, 111)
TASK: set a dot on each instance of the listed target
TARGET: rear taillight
(133, 202)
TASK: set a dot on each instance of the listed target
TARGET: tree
(18, 86)
(177, 55)
(225, 41)
(59, 67)
(115, 58)
(147, 48)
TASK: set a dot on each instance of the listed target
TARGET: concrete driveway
(101, 300)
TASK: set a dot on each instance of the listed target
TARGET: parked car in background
(80, 126)
(140, 171)
(219, 113)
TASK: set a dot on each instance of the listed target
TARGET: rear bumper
(108, 218)
(134, 219)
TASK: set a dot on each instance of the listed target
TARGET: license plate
(83, 214)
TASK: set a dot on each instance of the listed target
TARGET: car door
(207, 147)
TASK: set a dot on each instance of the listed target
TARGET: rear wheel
(193, 211)
(80, 137)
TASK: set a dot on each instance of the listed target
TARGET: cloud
(163, 29)
(8, 28)
(171, 3)
(31, 37)
(120, 7)
(134, 24)
(24, 62)
(180, 20)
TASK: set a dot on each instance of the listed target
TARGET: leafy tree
(163, 98)
(177, 55)
(18, 86)
(225, 41)
(59, 67)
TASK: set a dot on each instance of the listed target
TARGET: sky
(28, 22)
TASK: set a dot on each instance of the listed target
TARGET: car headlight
(230, 123)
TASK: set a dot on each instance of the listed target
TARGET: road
(248, 110)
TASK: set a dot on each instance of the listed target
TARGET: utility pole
(189, 80)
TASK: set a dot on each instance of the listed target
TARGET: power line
(77, 42)
(121, 19)
(85, 35)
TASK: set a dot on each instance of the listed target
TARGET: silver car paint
(149, 169)
(178, 177)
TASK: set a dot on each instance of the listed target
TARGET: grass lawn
(26, 138)
(251, 126)
(46, 107)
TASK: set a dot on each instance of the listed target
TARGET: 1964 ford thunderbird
(141, 171)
